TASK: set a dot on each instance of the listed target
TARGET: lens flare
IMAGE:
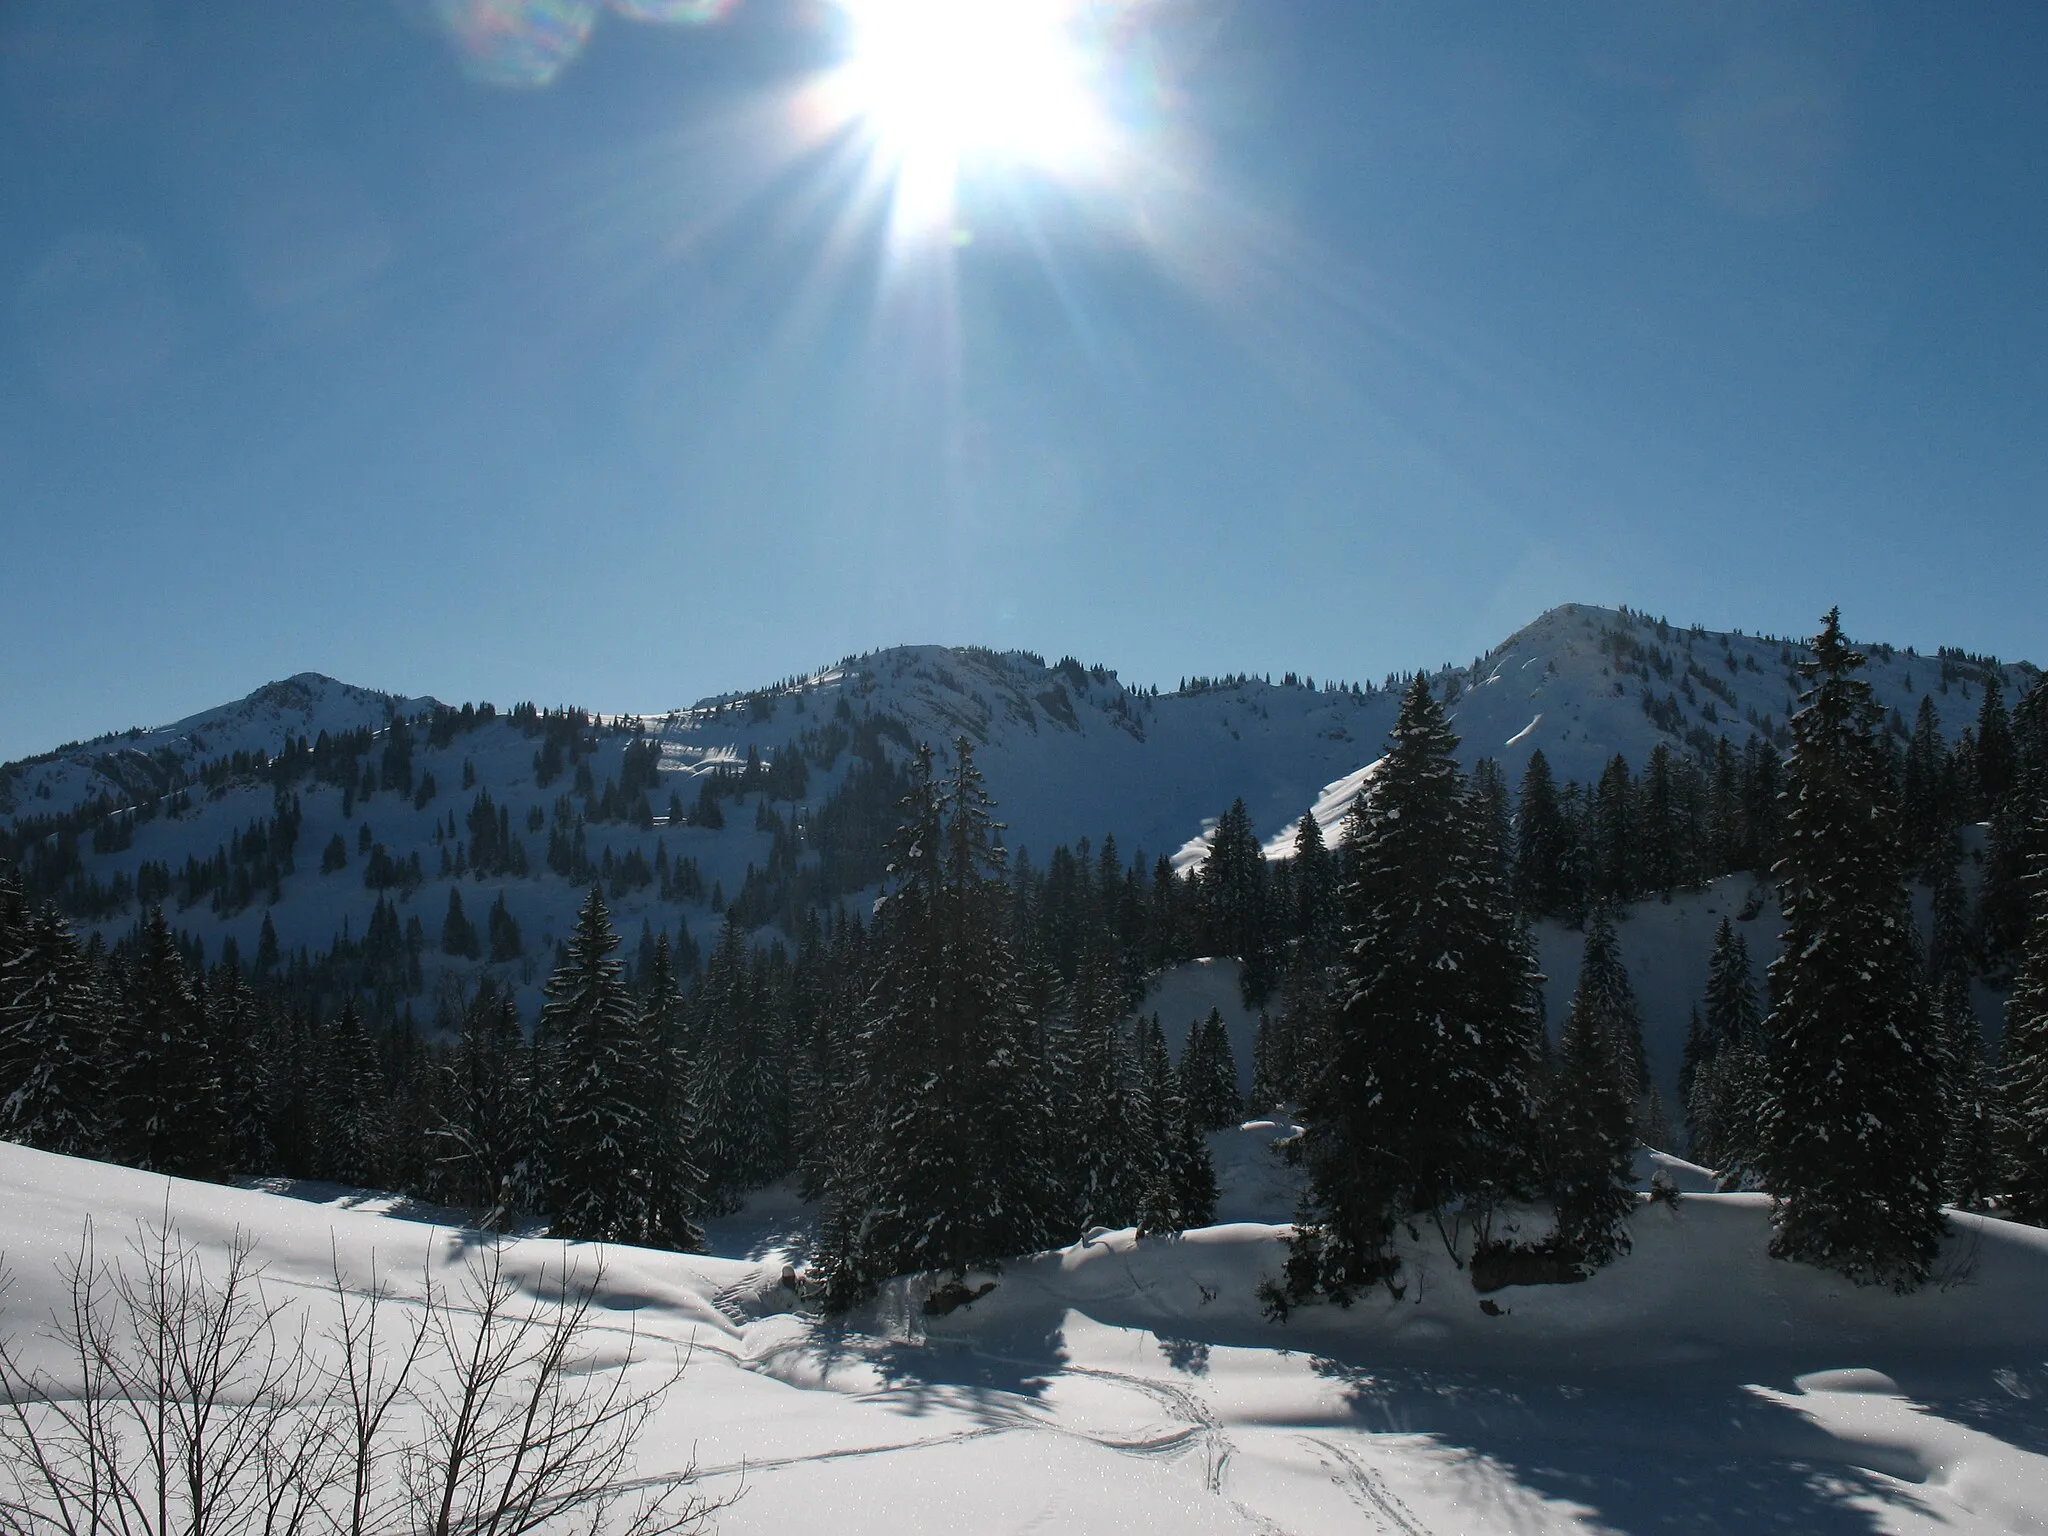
(946, 88)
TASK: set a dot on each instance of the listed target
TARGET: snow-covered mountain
(1069, 752)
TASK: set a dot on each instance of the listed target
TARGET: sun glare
(949, 87)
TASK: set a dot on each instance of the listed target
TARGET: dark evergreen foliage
(1852, 1134)
(952, 1169)
(1208, 1075)
(2023, 1129)
(1421, 1104)
(1590, 1131)
(595, 1188)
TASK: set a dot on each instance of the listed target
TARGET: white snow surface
(1124, 1385)
(1068, 753)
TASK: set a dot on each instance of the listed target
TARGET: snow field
(1117, 1385)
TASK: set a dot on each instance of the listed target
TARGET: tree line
(958, 1076)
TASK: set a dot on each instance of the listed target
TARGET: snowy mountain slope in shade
(137, 764)
(1696, 1385)
(1068, 752)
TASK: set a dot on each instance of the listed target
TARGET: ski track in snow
(1368, 1489)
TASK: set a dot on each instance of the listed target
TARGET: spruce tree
(1420, 1106)
(1232, 881)
(1924, 812)
(1591, 1138)
(733, 1080)
(234, 1030)
(1208, 1075)
(1542, 842)
(2023, 1132)
(50, 1015)
(1606, 998)
(1852, 1134)
(1615, 851)
(351, 1103)
(595, 1190)
(487, 1090)
(1095, 1080)
(1318, 918)
(1725, 1097)
(1272, 1068)
(953, 1169)
(2019, 836)
(165, 1109)
(1180, 1177)
(675, 1185)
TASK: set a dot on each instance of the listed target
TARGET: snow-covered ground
(1122, 1386)
(1068, 752)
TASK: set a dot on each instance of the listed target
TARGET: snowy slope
(138, 763)
(1122, 1386)
(1069, 752)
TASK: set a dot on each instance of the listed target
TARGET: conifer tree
(484, 1124)
(1095, 1080)
(351, 1103)
(1208, 1075)
(2023, 1132)
(1924, 811)
(1592, 1131)
(954, 1169)
(1614, 851)
(1996, 761)
(1542, 842)
(1726, 1097)
(1421, 1106)
(234, 1029)
(1852, 1134)
(594, 1188)
(1318, 918)
(2019, 836)
(1180, 1177)
(1232, 881)
(675, 1184)
(165, 1111)
(1606, 999)
(458, 933)
(504, 933)
(1272, 1067)
(733, 1110)
(50, 1013)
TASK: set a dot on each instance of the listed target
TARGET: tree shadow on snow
(943, 1375)
(2007, 1400)
(1647, 1456)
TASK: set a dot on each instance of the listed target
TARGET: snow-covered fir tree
(1094, 1080)
(1208, 1075)
(595, 1189)
(2023, 1128)
(1421, 1107)
(735, 1083)
(1179, 1174)
(953, 1167)
(662, 1084)
(50, 1014)
(1590, 1130)
(165, 1109)
(1728, 1086)
(1852, 1137)
(351, 1103)
(483, 1130)
(1606, 999)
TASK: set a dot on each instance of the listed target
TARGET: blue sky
(528, 349)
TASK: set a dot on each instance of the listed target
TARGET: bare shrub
(190, 1403)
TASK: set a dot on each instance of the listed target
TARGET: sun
(952, 88)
